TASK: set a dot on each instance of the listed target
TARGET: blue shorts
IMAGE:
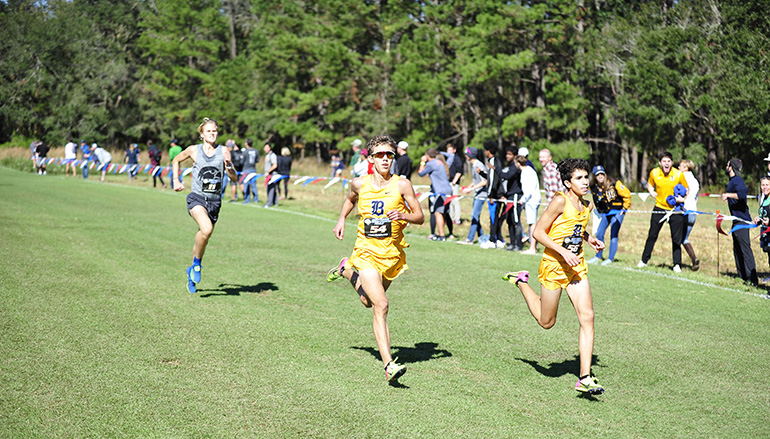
(212, 206)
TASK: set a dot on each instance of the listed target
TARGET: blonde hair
(285, 151)
(205, 122)
(690, 165)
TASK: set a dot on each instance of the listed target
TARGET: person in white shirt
(690, 204)
(530, 185)
(70, 155)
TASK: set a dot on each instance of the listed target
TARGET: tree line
(615, 81)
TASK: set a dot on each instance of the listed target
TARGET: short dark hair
(568, 166)
(491, 146)
(666, 154)
(249, 142)
(512, 149)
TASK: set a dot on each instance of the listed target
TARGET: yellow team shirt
(664, 185)
(376, 233)
(567, 230)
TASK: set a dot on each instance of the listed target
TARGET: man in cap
(736, 196)
(403, 164)
(524, 152)
(356, 157)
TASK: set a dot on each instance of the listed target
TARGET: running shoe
(606, 262)
(641, 264)
(593, 260)
(190, 283)
(589, 385)
(393, 370)
(696, 264)
(336, 272)
(194, 273)
(515, 277)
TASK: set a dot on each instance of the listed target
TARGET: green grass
(101, 339)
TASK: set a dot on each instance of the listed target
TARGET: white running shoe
(488, 244)
(641, 264)
(677, 269)
(500, 244)
(594, 260)
(607, 262)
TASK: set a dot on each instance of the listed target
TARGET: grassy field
(101, 339)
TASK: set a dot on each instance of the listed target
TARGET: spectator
(132, 159)
(173, 150)
(33, 154)
(530, 186)
(250, 157)
(524, 152)
(455, 163)
(155, 155)
(70, 156)
(86, 153)
(690, 207)
(237, 158)
(403, 165)
(356, 157)
(510, 180)
(41, 153)
(736, 197)
(103, 159)
(661, 185)
(271, 164)
(284, 169)
(493, 188)
(336, 164)
(611, 199)
(438, 173)
(551, 180)
(767, 159)
(479, 189)
(763, 217)
(361, 168)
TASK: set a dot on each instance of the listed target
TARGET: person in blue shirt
(736, 196)
(132, 158)
(438, 171)
(86, 151)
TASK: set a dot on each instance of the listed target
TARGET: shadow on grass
(236, 290)
(425, 351)
(566, 367)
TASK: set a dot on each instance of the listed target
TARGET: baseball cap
(405, 145)
(523, 151)
(357, 142)
(364, 152)
(767, 159)
(173, 141)
(736, 164)
(472, 152)
(598, 169)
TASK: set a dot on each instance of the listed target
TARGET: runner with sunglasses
(386, 203)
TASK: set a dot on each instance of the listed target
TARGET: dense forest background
(615, 81)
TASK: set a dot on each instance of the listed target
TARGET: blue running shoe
(190, 283)
(195, 276)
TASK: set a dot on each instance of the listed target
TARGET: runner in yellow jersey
(386, 203)
(562, 230)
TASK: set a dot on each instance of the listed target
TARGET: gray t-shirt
(270, 160)
(208, 173)
(477, 178)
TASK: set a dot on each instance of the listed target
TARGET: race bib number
(212, 186)
(377, 227)
(574, 243)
